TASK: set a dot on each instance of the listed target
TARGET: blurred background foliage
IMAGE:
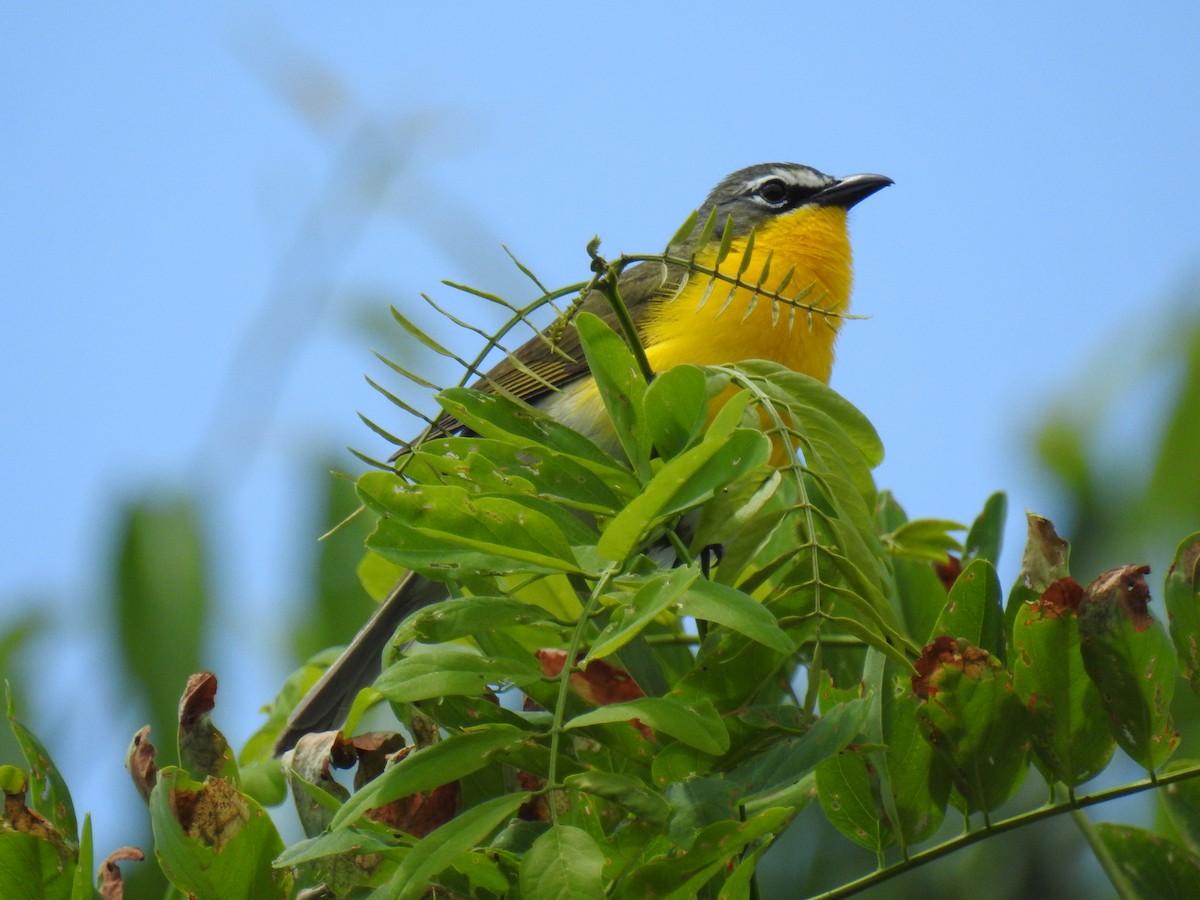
(1119, 446)
(1118, 451)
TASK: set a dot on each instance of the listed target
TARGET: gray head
(755, 194)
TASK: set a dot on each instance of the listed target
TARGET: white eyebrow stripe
(754, 185)
(807, 179)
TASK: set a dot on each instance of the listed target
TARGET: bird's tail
(326, 704)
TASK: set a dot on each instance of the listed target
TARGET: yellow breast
(722, 324)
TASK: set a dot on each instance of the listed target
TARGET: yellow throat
(711, 327)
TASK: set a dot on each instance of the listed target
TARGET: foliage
(646, 666)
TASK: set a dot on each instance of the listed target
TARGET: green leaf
(679, 762)
(347, 841)
(698, 803)
(443, 531)
(1182, 596)
(82, 888)
(893, 787)
(681, 876)
(212, 841)
(732, 670)
(430, 767)
(973, 609)
(743, 453)
(1182, 802)
(741, 884)
(444, 671)
(724, 455)
(1129, 656)
(631, 844)
(501, 466)
(974, 720)
(696, 724)
(786, 761)
(36, 865)
(458, 461)
(986, 536)
(1152, 865)
(920, 591)
(51, 798)
(563, 862)
(715, 602)
(925, 539)
(848, 795)
(1066, 717)
(676, 406)
(484, 872)
(500, 417)
(622, 386)
(919, 779)
(466, 616)
(639, 608)
(629, 793)
(447, 845)
(810, 394)
(689, 225)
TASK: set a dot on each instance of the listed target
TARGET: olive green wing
(553, 359)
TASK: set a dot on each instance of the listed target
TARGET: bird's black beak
(845, 192)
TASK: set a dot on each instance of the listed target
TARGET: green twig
(1009, 824)
(1100, 850)
(564, 682)
(606, 284)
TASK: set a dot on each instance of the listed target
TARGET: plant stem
(609, 287)
(564, 681)
(1009, 824)
(1110, 866)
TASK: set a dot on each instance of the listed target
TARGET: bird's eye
(773, 192)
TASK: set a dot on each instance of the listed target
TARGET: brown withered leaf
(600, 683)
(19, 817)
(203, 750)
(1128, 585)
(1060, 597)
(374, 749)
(313, 760)
(316, 755)
(111, 885)
(198, 700)
(948, 571)
(140, 761)
(421, 813)
(537, 807)
(938, 652)
(424, 730)
(1045, 556)
(418, 814)
(215, 814)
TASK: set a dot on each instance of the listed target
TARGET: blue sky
(158, 191)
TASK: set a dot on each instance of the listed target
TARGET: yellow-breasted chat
(790, 220)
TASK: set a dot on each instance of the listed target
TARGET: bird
(790, 219)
